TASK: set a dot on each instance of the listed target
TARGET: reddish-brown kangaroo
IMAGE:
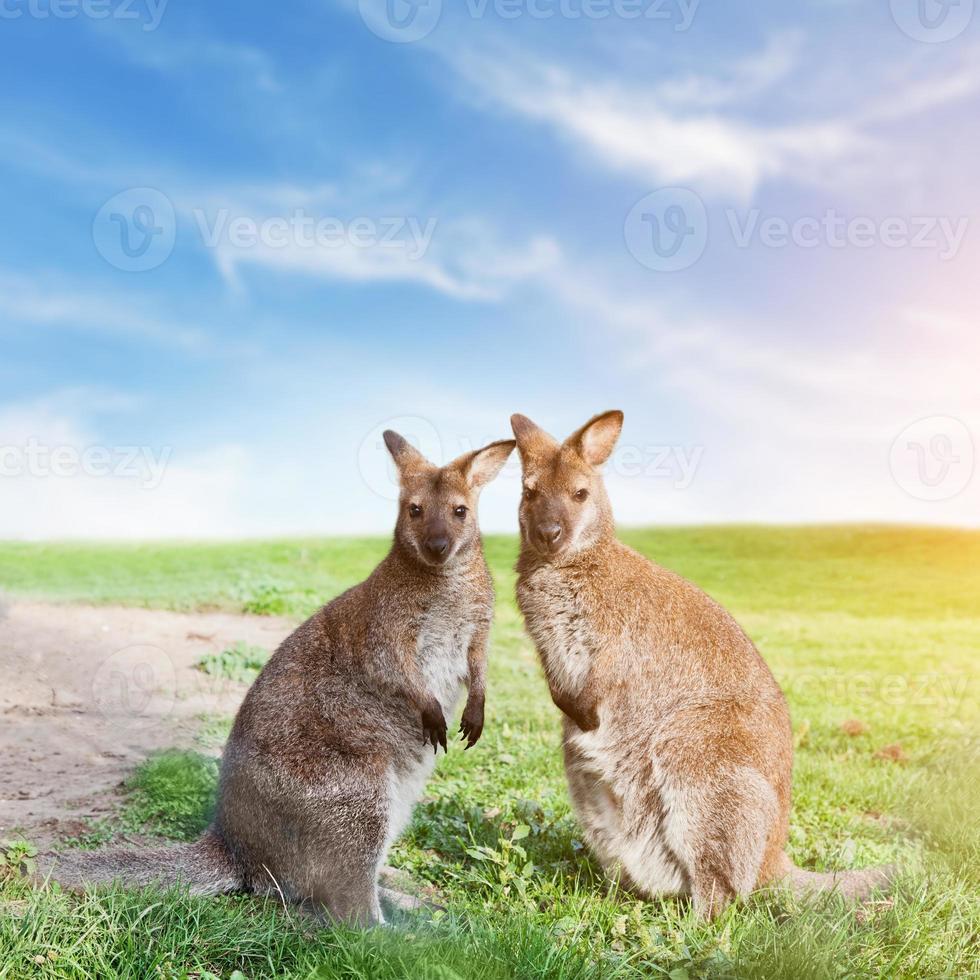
(677, 739)
(335, 739)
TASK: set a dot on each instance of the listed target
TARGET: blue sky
(496, 199)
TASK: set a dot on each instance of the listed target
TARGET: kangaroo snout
(549, 535)
(436, 547)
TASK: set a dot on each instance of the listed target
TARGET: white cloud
(467, 257)
(461, 257)
(450, 266)
(113, 494)
(792, 428)
(668, 134)
(696, 129)
(737, 84)
(308, 481)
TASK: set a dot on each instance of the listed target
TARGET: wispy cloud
(463, 255)
(174, 55)
(704, 129)
(52, 303)
(737, 84)
(440, 255)
(671, 133)
(61, 479)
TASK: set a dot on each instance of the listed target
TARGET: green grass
(238, 663)
(918, 574)
(880, 625)
(172, 794)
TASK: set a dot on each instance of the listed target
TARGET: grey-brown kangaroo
(337, 736)
(677, 739)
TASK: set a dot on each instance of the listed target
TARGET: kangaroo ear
(406, 456)
(531, 438)
(595, 441)
(482, 466)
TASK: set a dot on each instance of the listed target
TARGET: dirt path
(87, 692)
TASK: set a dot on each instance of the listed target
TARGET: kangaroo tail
(854, 886)
(204, 867)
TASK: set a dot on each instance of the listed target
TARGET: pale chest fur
(559, 626)
(445, 633)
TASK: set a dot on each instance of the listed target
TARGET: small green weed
(238, 663)
(17, 859)
(267, 597)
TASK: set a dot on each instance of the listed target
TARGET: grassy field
(866, 625)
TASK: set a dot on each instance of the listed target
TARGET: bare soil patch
(86, 693)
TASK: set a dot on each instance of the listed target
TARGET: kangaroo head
(564, 507)
(437, 505)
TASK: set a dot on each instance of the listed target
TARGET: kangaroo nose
(437, 546)
(550, 533)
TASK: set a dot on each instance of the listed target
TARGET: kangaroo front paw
(471, 724)
(434, 729)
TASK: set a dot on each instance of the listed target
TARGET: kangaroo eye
(415, 510)
(529, 493)
(581, 495)
(460, 511)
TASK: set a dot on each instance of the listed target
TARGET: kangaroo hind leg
(730, 825)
